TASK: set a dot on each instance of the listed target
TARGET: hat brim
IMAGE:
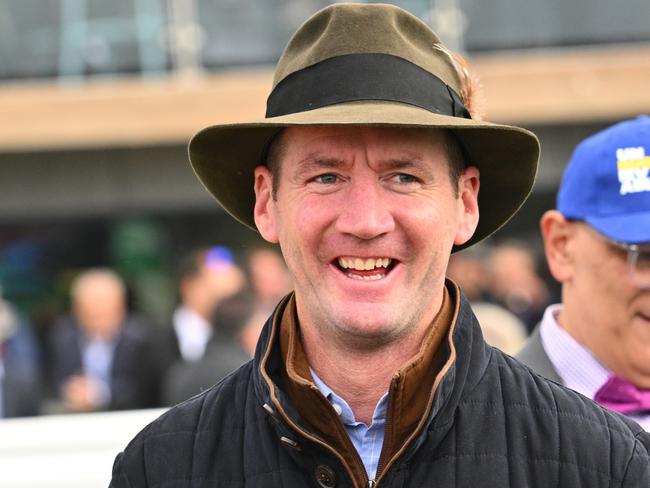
(224, 156)
(630, 229)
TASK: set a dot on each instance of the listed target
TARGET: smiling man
(597, 243)
(369, 171)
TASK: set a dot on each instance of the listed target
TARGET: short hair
(191, 265)
(233, 313)
(106, 275)
(456, 157)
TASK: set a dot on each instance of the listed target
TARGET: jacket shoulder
(551, 422)
(166, 449)
(542, 394)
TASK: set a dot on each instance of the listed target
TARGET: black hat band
(356, 77)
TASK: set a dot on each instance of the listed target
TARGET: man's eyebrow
(394, 164)
(399, 163)
(315, 162)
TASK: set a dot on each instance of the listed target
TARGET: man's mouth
(365, 268)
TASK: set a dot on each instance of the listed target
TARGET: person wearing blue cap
(597, 243)
(206, 276)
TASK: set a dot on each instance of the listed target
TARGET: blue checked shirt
(366, 440)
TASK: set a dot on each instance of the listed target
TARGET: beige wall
(532, 87)
(118, 146)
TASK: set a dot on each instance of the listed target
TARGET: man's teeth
(361, 264)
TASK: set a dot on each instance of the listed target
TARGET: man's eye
(326, 179)
(404, 178)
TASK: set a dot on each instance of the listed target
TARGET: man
(597, 244)
(224, 352)
(206, 277)
(20, 364)
(102, 358)
(514, 282)
(373, 372)
(269, 281)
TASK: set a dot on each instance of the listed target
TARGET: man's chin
(370, 331)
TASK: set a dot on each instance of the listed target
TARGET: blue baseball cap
(607, 182)
(219, 257)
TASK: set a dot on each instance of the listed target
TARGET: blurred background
(99, 99)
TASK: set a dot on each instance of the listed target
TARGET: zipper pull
(371, 484)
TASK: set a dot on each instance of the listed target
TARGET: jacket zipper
(387, 429)
(308, 436)
(383, 464)
(275, 401)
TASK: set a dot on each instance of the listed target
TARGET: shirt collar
(346, 413)
(576, 365)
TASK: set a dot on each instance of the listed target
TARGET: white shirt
(574, 363)
(97, 360)
(193, 333)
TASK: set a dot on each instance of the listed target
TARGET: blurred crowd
(103, 356)
(509, 287)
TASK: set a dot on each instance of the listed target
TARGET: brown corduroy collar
(410, 394)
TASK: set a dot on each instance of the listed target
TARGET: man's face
(607, 312)
(214, 282)
(366, 219)
(100, 308)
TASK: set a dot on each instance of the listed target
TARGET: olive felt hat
(371, 65)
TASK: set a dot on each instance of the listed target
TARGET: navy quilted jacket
(494, 424)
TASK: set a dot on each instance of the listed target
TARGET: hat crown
(607, 180)
(369, 65)
(350, 28)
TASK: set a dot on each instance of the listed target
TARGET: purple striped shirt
(574, 363)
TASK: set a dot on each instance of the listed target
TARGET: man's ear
(264, 211)
(468, 186)
(557, 233)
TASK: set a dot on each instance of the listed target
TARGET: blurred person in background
(501, 328)
(270, 281)
(20, 382)
(515, 284)
(597, 242)
(223, 354)
(205, 278)
(469, 271)
(102, 357)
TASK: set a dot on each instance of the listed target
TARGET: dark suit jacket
(183, 380)
(490, 423)
(21, 394)
(136, 374)
(21, 383)
(533, 355)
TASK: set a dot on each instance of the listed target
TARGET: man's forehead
(365, 131)
(330, 143)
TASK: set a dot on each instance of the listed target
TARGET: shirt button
(325, 476)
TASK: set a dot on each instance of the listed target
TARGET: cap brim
(630, 229)
(224, 156)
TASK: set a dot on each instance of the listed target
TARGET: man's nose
(366, 211)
